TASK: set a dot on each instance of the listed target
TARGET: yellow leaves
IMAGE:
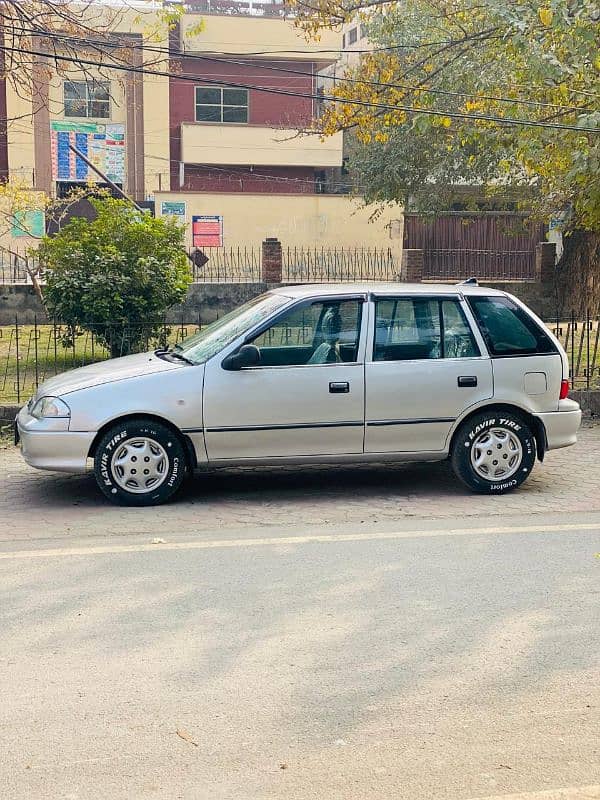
(428, 67)
(382, 138)
(474, 105)
(446, 122)
(546, 15)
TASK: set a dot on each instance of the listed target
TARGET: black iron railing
(32, 352)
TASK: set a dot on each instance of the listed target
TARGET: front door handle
(339, 388)
(467, 380)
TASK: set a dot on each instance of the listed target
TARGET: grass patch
(42, 354)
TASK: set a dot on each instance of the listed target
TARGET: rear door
(424, 368)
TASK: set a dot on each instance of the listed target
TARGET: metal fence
(244, 265)
(299, 264)
(456, 264)
(581, 339)
(226, 265)
(13, 267)
(338, 264)
(31, 353)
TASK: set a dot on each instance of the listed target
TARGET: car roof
(374, 287)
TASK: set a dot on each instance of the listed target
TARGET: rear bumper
(61, 451)
(561, 426)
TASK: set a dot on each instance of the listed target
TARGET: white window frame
(221, 105)
(88, 100)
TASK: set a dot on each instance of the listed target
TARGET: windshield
(210, 340)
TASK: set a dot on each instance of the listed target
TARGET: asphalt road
(422, 660)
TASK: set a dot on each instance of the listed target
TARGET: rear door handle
(339, 388)
(467, 380)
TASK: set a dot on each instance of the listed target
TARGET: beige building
(223, 134)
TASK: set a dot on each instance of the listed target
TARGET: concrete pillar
(412, 266)
(272, 261)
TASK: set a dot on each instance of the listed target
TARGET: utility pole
(104, 177)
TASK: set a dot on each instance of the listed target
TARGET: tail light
(564, 389)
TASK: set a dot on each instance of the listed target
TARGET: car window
(415, 328)
(324, 332)
(459, 341)
(508, 329)
(210, 340)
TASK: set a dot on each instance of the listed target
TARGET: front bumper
(561, 426)
(45, 447)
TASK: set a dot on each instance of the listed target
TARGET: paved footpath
(37, 505)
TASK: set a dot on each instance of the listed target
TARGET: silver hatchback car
(305, 374)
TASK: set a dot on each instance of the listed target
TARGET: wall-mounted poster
(29, 223)
(104, 145)
(207, 231)
(168, 208)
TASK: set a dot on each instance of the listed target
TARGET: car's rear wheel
(139, 462)
(493, 452)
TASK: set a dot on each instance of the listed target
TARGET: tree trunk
(578, 273)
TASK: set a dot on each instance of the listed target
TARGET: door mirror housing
(247, 356)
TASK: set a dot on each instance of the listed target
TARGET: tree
(115, 276)
(449, 94)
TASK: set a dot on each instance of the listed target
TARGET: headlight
(52, 407)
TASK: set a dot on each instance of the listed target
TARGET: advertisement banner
(207, 231)
(169, 208)
(104, 145)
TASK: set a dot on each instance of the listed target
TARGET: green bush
(115, 276)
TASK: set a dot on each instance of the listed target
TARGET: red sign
(207, 231)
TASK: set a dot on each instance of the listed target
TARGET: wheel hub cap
(139, 465)
(496, 454)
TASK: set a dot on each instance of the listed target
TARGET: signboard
(104, 145)
(29, 223)
(169, 208)
(207, 231)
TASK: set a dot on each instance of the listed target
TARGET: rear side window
(508, 330)
(417, 328)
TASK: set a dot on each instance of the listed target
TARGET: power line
(308, 96)
(290, 71)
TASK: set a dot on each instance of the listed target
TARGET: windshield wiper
(180, 357)
(167, 355)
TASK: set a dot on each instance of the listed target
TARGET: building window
(363, 31)
(218, 104)
(352, 36)
(87, 99)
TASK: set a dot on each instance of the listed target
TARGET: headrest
(332, 324)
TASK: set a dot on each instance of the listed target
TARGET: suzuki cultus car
(308, 374)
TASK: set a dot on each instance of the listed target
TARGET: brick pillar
(272, 261)
(545, 262)
(412, 266)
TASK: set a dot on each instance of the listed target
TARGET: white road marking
(269, 541)
(573, 793)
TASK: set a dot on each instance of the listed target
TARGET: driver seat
(328, 352)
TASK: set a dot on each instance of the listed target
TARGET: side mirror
(247, 356)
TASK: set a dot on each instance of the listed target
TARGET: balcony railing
(250, 8)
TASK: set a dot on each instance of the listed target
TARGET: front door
(306, 395)
(424, 370)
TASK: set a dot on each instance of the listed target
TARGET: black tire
(165, 461)
(500, 431)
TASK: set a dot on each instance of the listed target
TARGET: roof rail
(469, 282)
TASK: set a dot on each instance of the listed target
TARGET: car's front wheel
(139, 462)
(493, 452)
